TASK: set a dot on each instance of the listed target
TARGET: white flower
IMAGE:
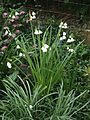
(64, 37)
(23, 55)
(16, 13)
(9, 65)
(60, 24)
(25, 105)
(33, 17)
(10, 15)
(20, 54)
(63, 25)
(37, 32)
(70, 50)
(12, 20)
(44, 48)
(70, 40)
(67, 48)
(64, 33)
(13, 17)
(30, 106)
(10, 34)
(6, 32)
(70, 36)
(6, 28)
(61, 38)
(50, 49)
(18, 47)
(33, 13)
(30, 19)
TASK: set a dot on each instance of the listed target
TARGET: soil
(55, 10)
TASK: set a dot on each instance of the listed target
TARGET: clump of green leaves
(24, 102)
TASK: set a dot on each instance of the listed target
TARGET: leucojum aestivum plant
(45, 56)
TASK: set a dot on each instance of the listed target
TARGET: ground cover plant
(44, 72)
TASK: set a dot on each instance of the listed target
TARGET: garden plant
(44, 71)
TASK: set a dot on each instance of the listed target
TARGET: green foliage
(47, 69)
(24, 102)
(39, 63)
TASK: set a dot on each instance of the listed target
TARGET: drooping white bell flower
(9, 65)
(18, 47)
(64, 33)
(33, 17)
(63, 25)
(16, 13)
(13, 17)
(70, 50)
(70, 40)
(6, 32)
(38, 32)
(10, 34)
(44, 48)
(31, 107)
(64, 37)
(33, 13)
(20, 54)
(61, 38)
(60, 24)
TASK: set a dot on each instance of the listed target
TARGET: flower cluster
(30, 106)
(14, 23)
(70, 39)
(33, 16)
(14, 17)
(63, 37)
(38, 32)
(45, 48)
(20, 54)
(7, 32)
(70, 50)
(63, 25)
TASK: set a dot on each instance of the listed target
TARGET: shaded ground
(80, 24)
(78, 19)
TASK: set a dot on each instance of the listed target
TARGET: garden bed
(44, 65)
